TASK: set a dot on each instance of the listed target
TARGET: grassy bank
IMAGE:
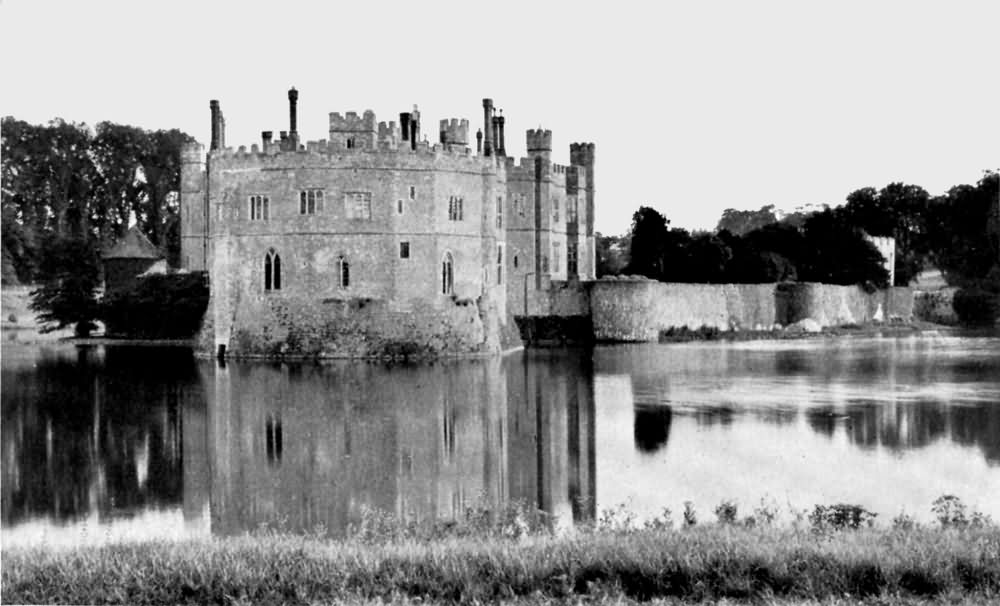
(696, 564)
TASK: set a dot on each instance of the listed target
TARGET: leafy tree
(965, 233)
(899, 211)
(611, 254)
(68, 295)
(646, 250)
(840, 254)
(740, 222)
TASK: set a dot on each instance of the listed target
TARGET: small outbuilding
(131, 256)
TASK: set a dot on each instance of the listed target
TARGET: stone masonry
(374, 242)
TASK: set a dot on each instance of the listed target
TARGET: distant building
(376, 242)
(886, 245)
(131, 256)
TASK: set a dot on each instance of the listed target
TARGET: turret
(539, 143)
(454, 133)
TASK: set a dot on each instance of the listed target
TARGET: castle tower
(194, 208)
(582, 155)
(454, 134)
(540, 144)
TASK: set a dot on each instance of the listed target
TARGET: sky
(694, 107)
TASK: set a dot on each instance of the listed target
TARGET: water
(129, 443)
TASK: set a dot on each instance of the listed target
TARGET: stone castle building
(376, 242)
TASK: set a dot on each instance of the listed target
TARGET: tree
(611, 254)
(840, 254)
(68, 295)
(740, 222)
(965, 233)
(646, 250)
(897, 210)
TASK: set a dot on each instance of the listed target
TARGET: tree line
(957, 232)
(69, 192)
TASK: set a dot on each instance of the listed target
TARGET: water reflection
(150, 442)
(90, 433)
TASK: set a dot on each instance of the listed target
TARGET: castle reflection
(314, 446)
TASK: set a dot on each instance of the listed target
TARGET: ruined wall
(638, 309)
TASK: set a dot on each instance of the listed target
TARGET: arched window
(272, 271)
(447, 274)
(343, 272)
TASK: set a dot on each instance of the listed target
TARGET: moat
(142, 442)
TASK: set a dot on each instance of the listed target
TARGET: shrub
(725, 512)
(159, 306)
(690, 518)
(976, 307)
(841, 516)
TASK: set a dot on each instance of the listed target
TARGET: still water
(136, 442)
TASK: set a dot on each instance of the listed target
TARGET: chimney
(414, 127)
(479, 141)
(293, 133)
(404, 125)
(487, 113)
(265, 136)
(496, 132)
(503, 150)
(213, 105)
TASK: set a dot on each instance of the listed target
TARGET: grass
(702, 563)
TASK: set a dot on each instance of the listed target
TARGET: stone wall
(639, 309)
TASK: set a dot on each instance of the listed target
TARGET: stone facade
(375, 242)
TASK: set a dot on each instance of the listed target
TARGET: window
(413, 192)
(447, 274)
(399, 206)
(555, 256)
(310, 201)
(350, 143)
(571, 212)
(272, 271)
(499, 263)
(499, 212)
(515, 261)
(358, 205)
(519, 203)
(343, 272)
(404, 250)
(571, 266)
(555, 209)
(259, 208)
(455, 208)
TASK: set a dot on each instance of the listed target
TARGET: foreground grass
(699, 564)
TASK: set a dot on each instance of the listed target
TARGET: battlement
(454, 132)
(539, 140)
(581, 154)
(192, 153)
(351, 131)
(388, 135)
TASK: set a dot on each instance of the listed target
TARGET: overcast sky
(694, 107)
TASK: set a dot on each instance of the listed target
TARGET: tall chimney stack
(293, 133)
(500, 142)
(213, 105)
(479, 141)
(404, 125)
(487, 127)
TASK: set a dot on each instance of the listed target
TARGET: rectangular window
(310, 201)
(413, 192)
(259, 208)
(358, 205)
(571, 211)
(399, 206)
(571, 266)
(404, 250)
(519, 202)
(499, 263)
(555, 256)
(455, 210)
(555, 210)
(499, 212)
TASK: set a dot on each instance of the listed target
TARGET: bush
(841, 516)
(976, 307)
(158, 307)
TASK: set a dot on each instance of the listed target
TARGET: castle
(374, 242)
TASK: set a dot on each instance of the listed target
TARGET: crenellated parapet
(539, 142)
(454, 132)
(581, 154)
(351, 131)
(388, 135)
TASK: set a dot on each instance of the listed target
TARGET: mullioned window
(310, 201)
(260, 208)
